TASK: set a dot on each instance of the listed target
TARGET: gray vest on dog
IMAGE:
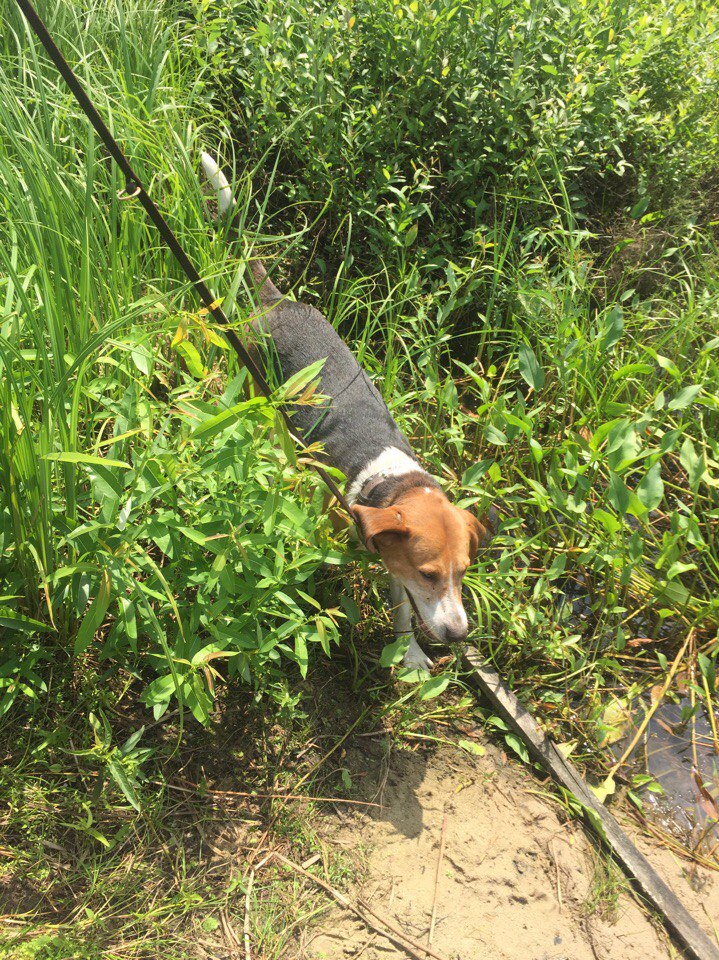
(353, 424)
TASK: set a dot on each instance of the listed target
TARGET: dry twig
(364, 911)
(246, 924)
(654, 707)
(436, 878)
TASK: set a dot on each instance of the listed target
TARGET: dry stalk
(436, 878)
(364, 911)
(246, 924)
(654, 707)
(194, 788)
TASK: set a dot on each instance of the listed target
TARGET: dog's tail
(226, 205)
(218, 181)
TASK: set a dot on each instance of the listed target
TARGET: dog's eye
(429, 575)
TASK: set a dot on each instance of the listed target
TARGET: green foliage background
(506, 209)
(412, 121)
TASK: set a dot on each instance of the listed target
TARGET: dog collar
(377, 490)
(364, 497)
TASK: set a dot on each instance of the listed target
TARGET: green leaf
(618, 494)
(96, 835)
(433, 688)
(623, 446)
(129, 620)
(298, 382)
(132, 741)
(641, 205)
(160, 690)
(497, 722)
(119, 775)
(476, 749)
(351, 609)
(613, 329)
(392, 653)
(607, 520)
(495, 436)
(558, 566)
(71, 456)
(192, 358)
(514, 743)
(21, 623)
(472, 475)
(197, 699)
(301, 653)
(678, 568)
(694, 463)
(95, 615)
(141, 357)
(214, 425)
(651, 490)
(529, 367)
(536, 450)
(685, 397)
(411, 675)
(708, 669)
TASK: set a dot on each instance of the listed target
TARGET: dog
(402, 513)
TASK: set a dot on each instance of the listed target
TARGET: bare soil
(517, 880)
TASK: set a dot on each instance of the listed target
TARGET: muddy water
(677, 751)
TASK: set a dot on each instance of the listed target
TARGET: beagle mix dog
(402, 513)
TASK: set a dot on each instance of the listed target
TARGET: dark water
(678, 752)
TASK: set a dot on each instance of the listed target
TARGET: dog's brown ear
(375, 521)
(480, 531)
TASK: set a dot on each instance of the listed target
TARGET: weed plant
(146, 505)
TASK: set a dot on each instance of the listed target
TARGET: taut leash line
(135, 189)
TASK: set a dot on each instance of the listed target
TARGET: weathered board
(541, 749)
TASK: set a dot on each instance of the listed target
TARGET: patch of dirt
(516, 881)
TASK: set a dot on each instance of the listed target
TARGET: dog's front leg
(415, 658)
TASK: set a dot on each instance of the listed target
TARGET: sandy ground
(516, 880)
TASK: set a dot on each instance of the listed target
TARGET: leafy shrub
(147, 514)
(150, 516)
(411, 117)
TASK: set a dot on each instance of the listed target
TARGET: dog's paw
(416, 658)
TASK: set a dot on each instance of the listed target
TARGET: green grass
(117, 402)
(515, 229)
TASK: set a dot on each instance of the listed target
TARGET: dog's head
(427, 544)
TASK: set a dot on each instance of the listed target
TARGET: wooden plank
(541, 749)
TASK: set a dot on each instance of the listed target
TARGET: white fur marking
(415, 658)
(392, 462)
(443, 615)
(218, 181)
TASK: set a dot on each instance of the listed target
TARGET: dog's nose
(455, 634)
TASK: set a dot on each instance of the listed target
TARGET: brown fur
(422, 532)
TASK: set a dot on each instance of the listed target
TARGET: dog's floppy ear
(480, 531)
(374, 521)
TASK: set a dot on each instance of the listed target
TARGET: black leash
(134, 189)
